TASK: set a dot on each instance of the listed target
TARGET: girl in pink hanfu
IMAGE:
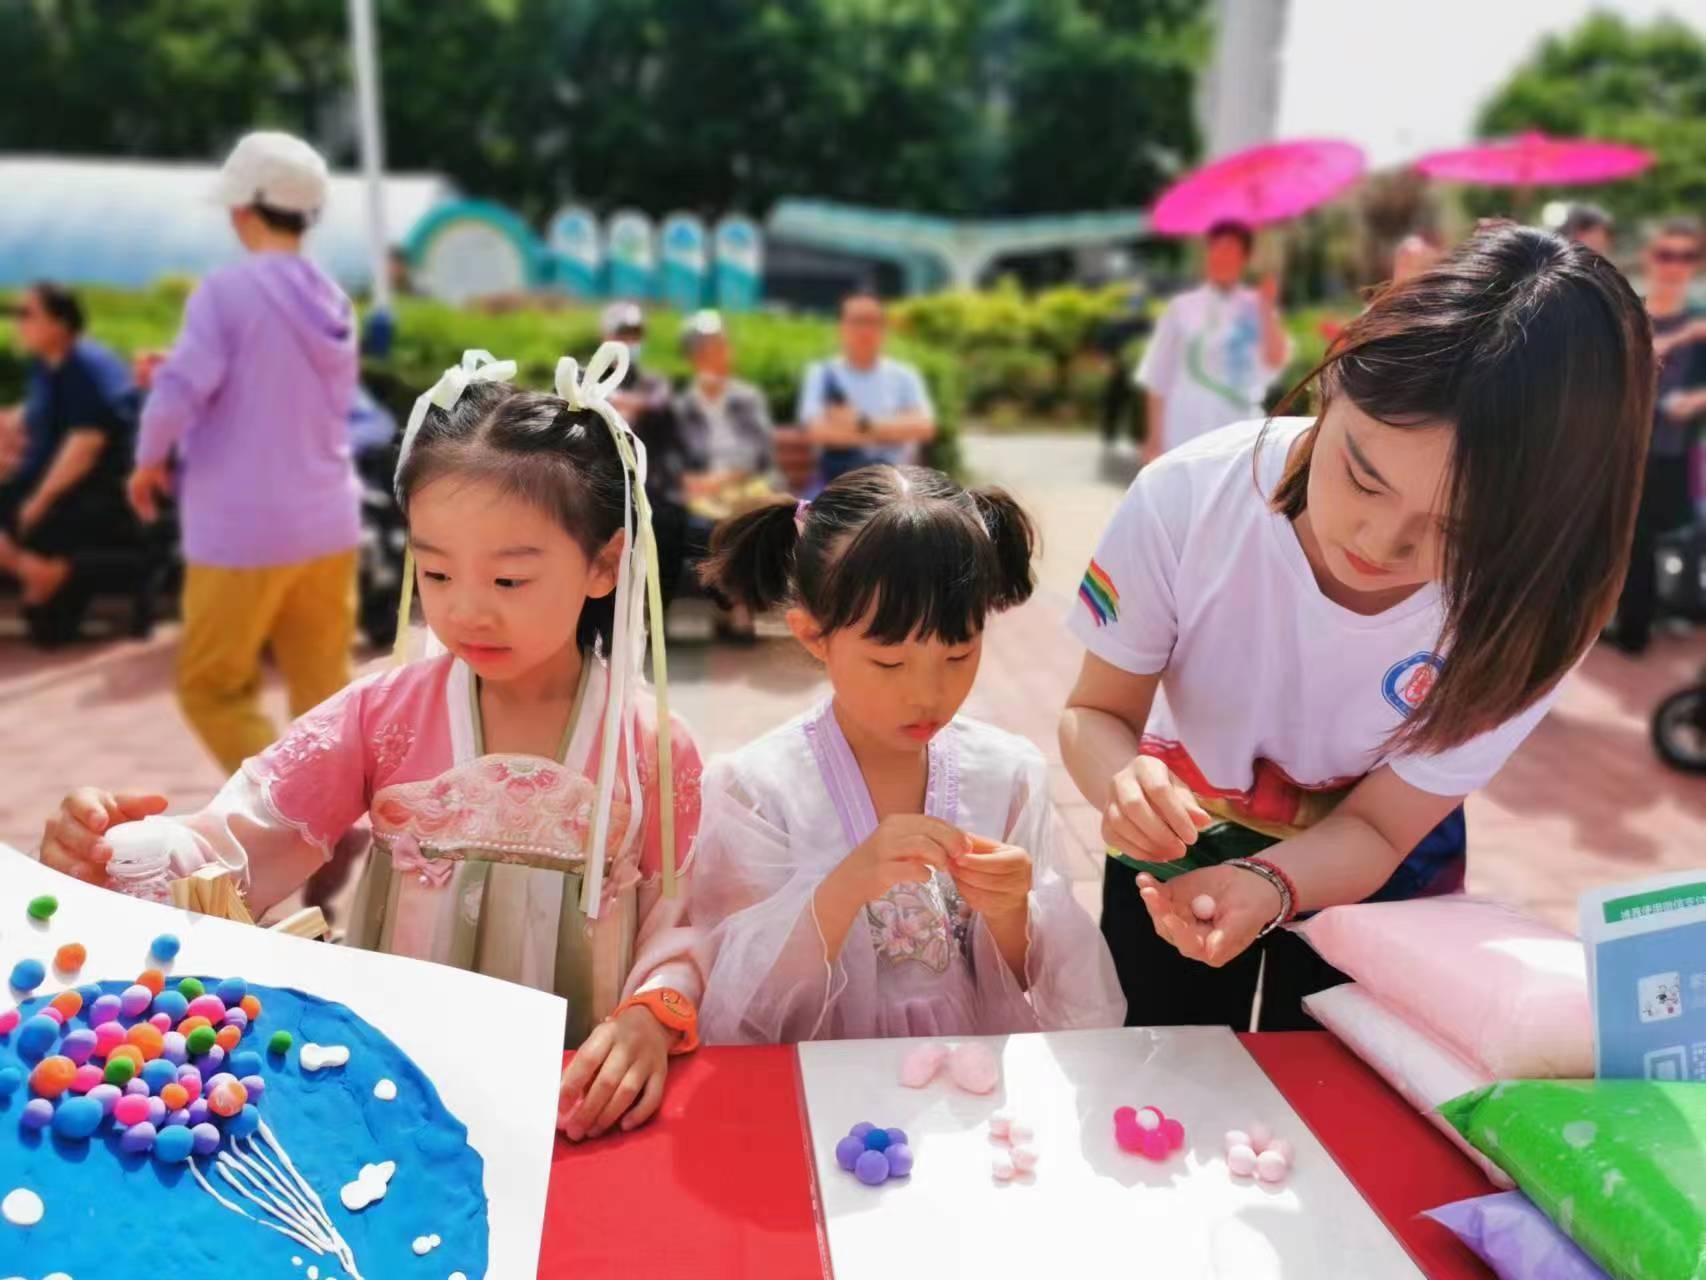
(528, 817)
(883, 866)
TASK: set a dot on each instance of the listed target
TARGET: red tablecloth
(721, 1183)
(718, 1184)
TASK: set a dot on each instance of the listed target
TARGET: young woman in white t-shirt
(1320, 634)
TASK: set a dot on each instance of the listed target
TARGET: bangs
(911, 574)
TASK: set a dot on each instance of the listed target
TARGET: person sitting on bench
(63, 492)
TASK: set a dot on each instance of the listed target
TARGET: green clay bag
(1619, 1165)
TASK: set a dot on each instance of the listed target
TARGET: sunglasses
(1676, 257)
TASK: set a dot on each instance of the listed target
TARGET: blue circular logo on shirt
(1409, 682)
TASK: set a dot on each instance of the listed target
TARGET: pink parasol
(1535, 160)
(1269, 183)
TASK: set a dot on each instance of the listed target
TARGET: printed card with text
(1646, 946)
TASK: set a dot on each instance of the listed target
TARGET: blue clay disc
(877, 1140)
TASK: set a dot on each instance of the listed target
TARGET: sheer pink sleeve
(274, 822)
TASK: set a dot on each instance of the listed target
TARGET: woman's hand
(904, 849)
(72, 841)
(617, 1076)
(994, 879)
(1244, 904)
(1150, 813)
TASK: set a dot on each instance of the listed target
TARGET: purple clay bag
(1512, 1236)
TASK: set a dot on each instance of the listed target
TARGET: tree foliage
(977, 107)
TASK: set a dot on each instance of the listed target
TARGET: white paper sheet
(410, 1001)
(1091, 1208)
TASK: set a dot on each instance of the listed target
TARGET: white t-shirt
(1205, 362)
(1274, 700)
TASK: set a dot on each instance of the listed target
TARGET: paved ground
(1583, 802)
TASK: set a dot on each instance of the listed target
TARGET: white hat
(274, 169)
(621, 317)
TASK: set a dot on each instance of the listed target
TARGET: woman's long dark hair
(533, 447)
(903, 551)
(1538, 356)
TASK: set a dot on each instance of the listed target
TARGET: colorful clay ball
(231, 991)
(11, 1079)
(206, 1138)
(9, 1022)
(874, 1155)
(36, 1037)
(119, 1071)
(173, 1004)
(69, 1004)
(77, 1118)
(280, 1042)
(37, 1114)
(191, 988)
(165, 947)
(1147, 1132)
(154, 980)
(42, 908)
(71, 957)
(135, 1000)
(52, 1076)
(104, 1008)
(173, 1146)
(78, 1045)
(200, 1040)
(87, 1078)
(138, 1139)
(872, 1168)
(27, 975)
(158, 1074)
(244, 1123)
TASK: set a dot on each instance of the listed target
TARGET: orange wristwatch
(671, 1008)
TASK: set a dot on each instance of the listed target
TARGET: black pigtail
(751, 559)
(1015, 539)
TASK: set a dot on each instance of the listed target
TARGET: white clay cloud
(369, 1185)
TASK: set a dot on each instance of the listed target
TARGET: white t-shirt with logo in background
(1274, 700)
(1205, 362)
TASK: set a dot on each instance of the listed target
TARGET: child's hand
(1150, 813)
(1244, 905)
(72, 840)
(994, 879)
(617, 1075)
(903, 850)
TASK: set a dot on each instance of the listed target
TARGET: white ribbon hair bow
(476, 366)
(636, 591)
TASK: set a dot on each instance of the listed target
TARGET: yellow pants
(304, 614)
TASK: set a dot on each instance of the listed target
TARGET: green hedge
(771, 351)
(999, 354)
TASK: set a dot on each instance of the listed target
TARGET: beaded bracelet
(1281, 883)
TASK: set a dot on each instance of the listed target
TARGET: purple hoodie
(255, 399)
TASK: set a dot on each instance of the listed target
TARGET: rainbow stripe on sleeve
(1098, 592)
